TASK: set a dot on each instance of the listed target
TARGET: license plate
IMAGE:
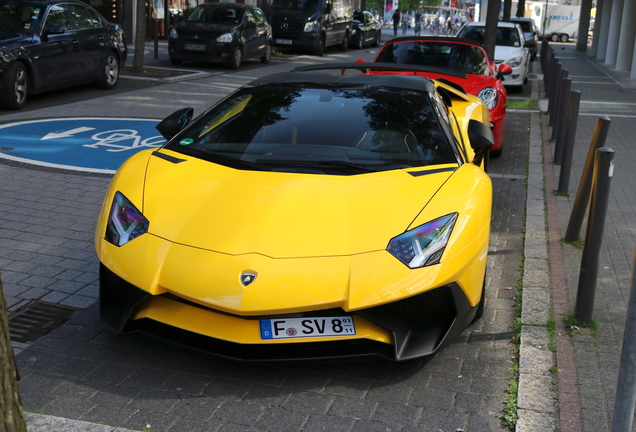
(294, 328)
(194, 47)
(283, 41)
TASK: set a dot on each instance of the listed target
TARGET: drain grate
(37, 319)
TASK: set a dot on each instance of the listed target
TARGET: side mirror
(54, 29)
(528, 43)
(481, 139)
(504, 69)
(175, 122)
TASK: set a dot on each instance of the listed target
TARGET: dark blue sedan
(50, 44)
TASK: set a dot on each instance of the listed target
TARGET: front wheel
(376, 41)
(345, 42)
(319, 49)
(268, 54)
(14, 86)
(110, 72)
(564, 38)
(360, 41)
(554, 38)
(236, 56)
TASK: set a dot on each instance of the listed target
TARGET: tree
(140, 38)
(507, 7)
(521, 7)
(490, 33)
(11, 419)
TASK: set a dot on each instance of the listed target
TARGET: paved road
(81, 371)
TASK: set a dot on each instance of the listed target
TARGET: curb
(46, 423)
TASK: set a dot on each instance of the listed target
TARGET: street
(83, 371)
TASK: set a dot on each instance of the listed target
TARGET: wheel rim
(237, 57)
(268, 52)
(111, 70)
(361, 41)
(20, 86)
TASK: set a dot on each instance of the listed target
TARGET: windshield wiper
(229, 161)
(322, 164)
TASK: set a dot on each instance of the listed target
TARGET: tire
(554, 37)
(268, 54)
(360, 42)
(345, 42)
(564, 38)
(319, 49)
(176, 62)
(110, 72)
(14, 87)
(376, 41)
(496, 153)
(236, 56)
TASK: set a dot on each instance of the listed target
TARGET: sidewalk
(588, 360)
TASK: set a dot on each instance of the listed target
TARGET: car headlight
(226, 38)
(312, 26)
(514, 62)
(423, 246)
(125, 222)
(174, 34)
(490, 96)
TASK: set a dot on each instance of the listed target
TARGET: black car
(222, 32)
(366, 30)
(46, 45)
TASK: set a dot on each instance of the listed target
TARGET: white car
(511, 49)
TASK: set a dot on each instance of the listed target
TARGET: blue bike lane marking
(90, 144)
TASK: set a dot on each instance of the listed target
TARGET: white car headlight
(423, 246)
(125, 222)
(490, 96)
(226, 38)
(514, 62)
(312, 26)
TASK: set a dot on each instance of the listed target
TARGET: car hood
(282, 215)
(472, 84)
(503, 53)
(187, 27)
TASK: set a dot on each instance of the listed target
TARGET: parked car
(51, 44)
(530, 32)
(511, 48)
(461, 61)
(221, 32)
(366, 30)
(307, 215)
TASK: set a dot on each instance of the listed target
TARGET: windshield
(458, 57)
(216, 15)
(19, 16)
(335, 130)
(506, 36)
(305, 5)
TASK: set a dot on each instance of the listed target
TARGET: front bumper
(402, 330)
(212, 52)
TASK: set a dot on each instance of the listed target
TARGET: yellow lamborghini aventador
(307, 215)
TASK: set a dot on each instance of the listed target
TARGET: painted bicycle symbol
(124, 139)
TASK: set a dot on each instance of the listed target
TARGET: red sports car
(460, 61)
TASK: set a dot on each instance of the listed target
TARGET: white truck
(558, 22)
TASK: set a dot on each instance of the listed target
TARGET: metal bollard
(561, 122)
(568, 142)
(626, 384)
(562, 99)
(583, 194)
(556, 74)
(601, 181)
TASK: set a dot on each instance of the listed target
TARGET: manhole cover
(37, 319)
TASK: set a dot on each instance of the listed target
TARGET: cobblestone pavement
(82, 371)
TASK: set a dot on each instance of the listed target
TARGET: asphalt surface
(83, 372)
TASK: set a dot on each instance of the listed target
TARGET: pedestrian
(449, 26)
(405, 24)
(418, 23)
(396, 21)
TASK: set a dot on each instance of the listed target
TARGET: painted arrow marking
(68, 133)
